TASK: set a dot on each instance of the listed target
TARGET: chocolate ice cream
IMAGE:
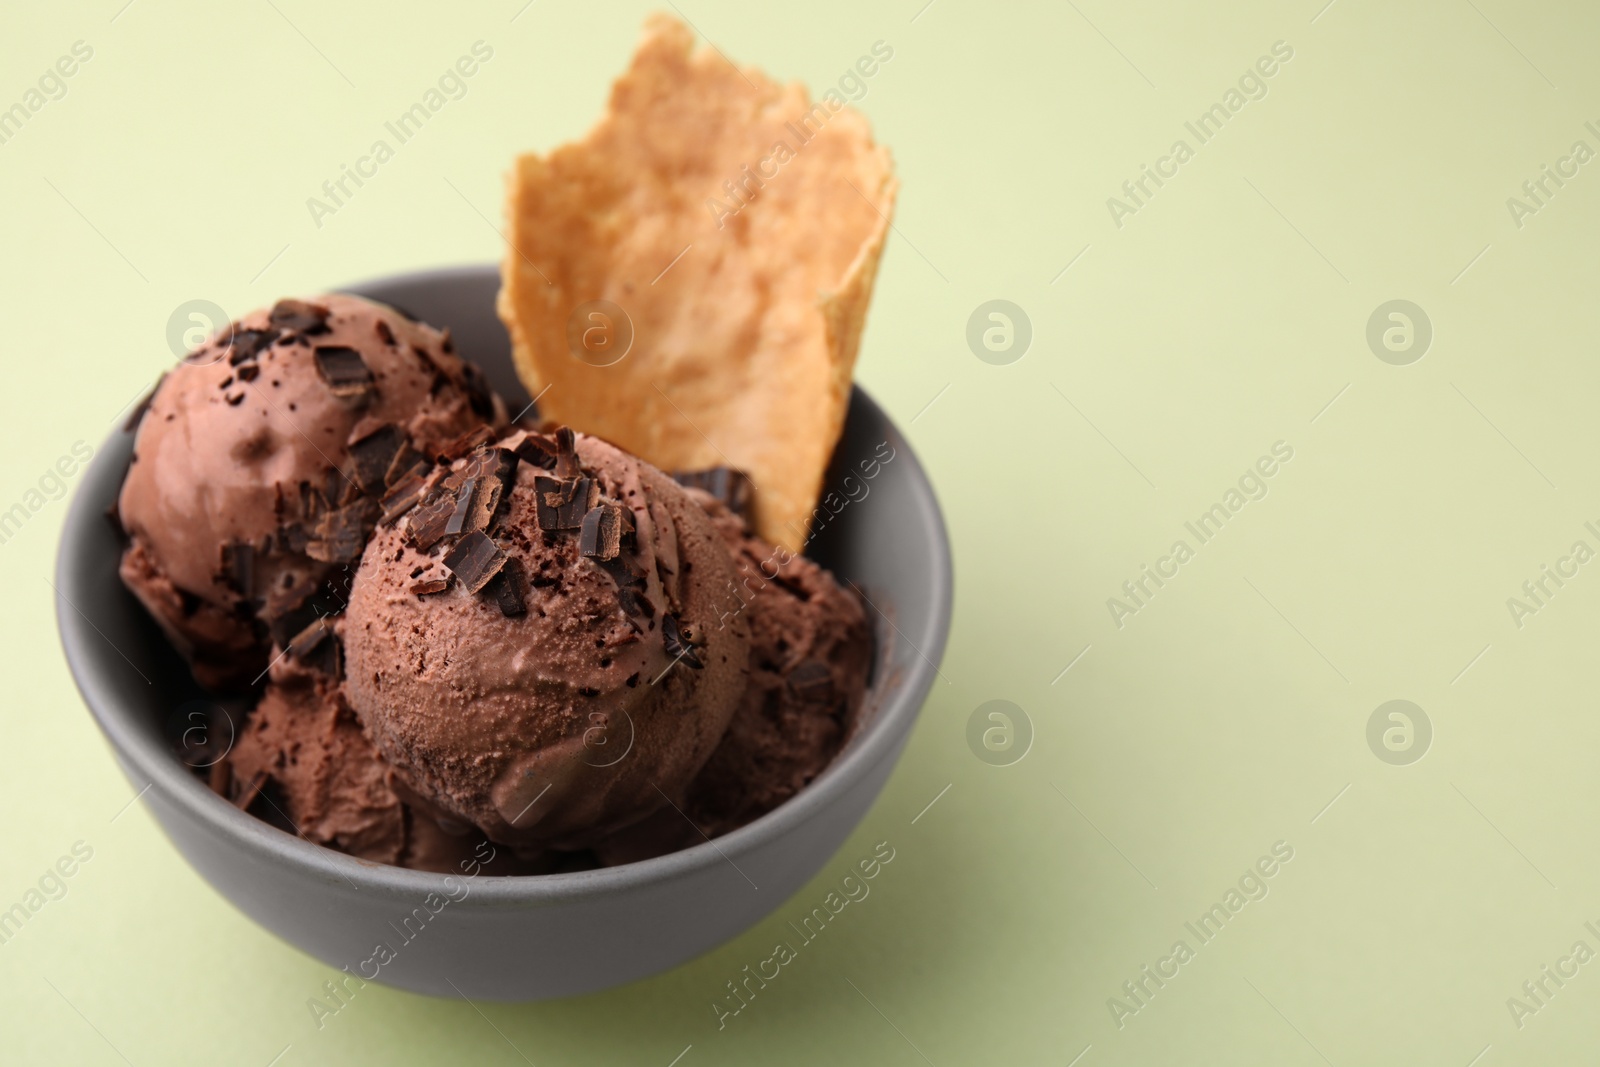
(260, 463)
(538, 647)
(302, 761)
(811, 654)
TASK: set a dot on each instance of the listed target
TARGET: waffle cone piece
(690, 281)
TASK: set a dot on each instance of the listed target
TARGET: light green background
(1223, 317)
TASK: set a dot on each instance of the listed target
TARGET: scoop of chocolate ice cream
(304, 746)
(301, 760)
(811, 653)
(260, 463)
(540, 646)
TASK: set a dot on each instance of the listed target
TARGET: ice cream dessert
(530, 638)
(302, 761)
(540, 647)
(811, 657)
(261, 462)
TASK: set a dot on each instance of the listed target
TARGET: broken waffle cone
(690, 281)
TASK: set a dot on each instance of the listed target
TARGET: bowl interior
(887, 536)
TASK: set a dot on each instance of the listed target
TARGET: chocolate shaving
(339, 489)
(538, 450)
(286, 620)
(312, 502)
(404, 495)
(458, 518)
(812, 682)
(345, 372)
(732, 487)
(468, 441)
(341, 534)
(567, 465)
(327, 657)
(406, 461)
(308, 637)
(601, 534)
(430, 585)
(676, 644)
(239, 567)
(374, 454)
(427, 522)
(316, 646)
(479, 395)
(299, 315)
(562, 504)
(474, 560)
(506, 589)
(493, 473)
(248, 344)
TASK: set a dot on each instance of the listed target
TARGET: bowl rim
(143, 756)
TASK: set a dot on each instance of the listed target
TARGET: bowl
(529, 937)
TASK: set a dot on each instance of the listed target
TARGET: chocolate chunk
(339, 489)
(248, 344)
(309, 637)
(538, 450)
(404, 495)
(238, 568)
(235, 401)
(466, 443)
(498, 464)
(341, 534)
(677, 643)
(317, 647)
(137, 414)
(248, 372)
(812, 682)
(373, 454)
(567, 465)
(601, 534)
(430, 585)
(327, 657)
(385, 334)
(732, 487)
(506, 589)
(299, 315)
(345, 372)
(475, 560)
(479, 395)
(492, 473)
(406, 461)
(427, 522)
(288, 619)
(458, 518)
(562, 503)
(313, 502)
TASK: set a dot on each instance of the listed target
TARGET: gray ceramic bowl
(516, 938)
